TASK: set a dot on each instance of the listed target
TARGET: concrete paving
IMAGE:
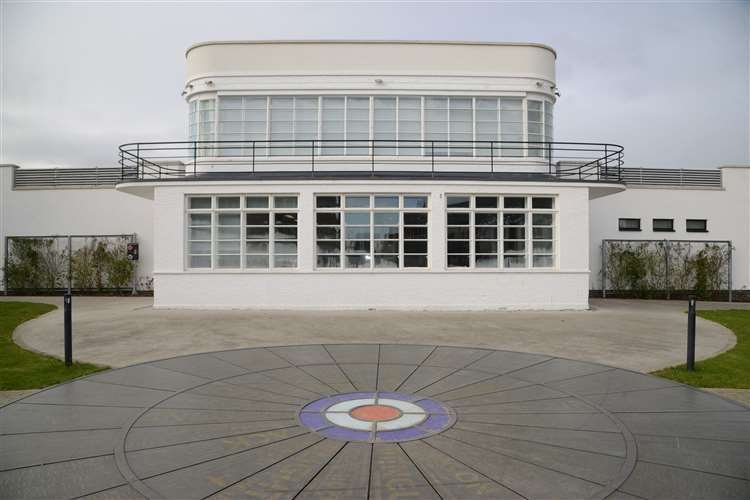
(440, 422)
(632, 334)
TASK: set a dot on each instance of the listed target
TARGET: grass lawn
(730, 369)
(22, 369)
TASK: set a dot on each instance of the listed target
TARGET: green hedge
(39, 264)
(645, 268)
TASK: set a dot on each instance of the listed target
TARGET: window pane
(200, 219)
(328, 247)
(200, 261)
(486, 201)
(458, 261)
(485, 219)
(328, 219)
(514, 202)
(385, 218)
(415, 218)
(256, 261)
(387, 261)
(485, 261)
(229, 219)
(328, 201)
(260, 219)
(415, 261)
(357, 202)
(256, 202)
(285, 219)
(283, 261)
(696, 225)
(228, 261)
(328, 233)
(228, 202)
(545, 203)
(200, 203)
(415, 202)
(629, 224)
(285, 202)
(386, 202)
(357, 218)
(458, 201)
(542, 219)
(386, 232)
(285, 233)
(458, 219)
(328, 261)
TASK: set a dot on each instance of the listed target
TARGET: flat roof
(384, 42)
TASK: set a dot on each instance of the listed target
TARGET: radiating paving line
(455, 459)
(239, 452)
(215, 438)
(263, 469)
(452, 373)
(518, 459)
(336, 363)
(320, 470)
(420, 470)
(543, 443)
(417, 367)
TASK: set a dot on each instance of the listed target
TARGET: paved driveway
(638, 335)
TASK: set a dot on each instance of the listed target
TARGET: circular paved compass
(371, 421)
(376, 416)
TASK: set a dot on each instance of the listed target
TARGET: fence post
(68, 321)
(604, 269)
(667, 249)
(492, 157)
(5, 265)
(135, 265)
(70, 264)
(729, 271)
(691, 334)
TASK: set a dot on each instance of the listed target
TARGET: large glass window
(494, 231)
(242, 118)
(201, 125)
(392, 120)
(293, 119)
(371, 231)
(242, 232)
(539, 126)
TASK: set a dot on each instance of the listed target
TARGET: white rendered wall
(726, 209)
(44, 212)
(437, 287)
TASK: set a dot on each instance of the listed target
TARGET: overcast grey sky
(669, 81)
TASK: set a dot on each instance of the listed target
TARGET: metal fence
(656, 268)
(73, 263)
(35, 178)
(148, 161)
(678, 177)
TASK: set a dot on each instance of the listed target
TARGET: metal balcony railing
(205, 160)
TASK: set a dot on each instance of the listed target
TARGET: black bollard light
(691, 334)
(68, 320)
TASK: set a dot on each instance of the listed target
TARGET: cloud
(669, 81)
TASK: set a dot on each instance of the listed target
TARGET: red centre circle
(375, 413)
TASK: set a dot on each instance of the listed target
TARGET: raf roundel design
(376, 417)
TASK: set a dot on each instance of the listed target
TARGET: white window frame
(342, 210)
(243, 210)
(500, 210)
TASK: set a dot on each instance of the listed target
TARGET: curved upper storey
(382, 66)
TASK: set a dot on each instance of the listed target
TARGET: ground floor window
(371, 231)
(500, 231)
(242, 231)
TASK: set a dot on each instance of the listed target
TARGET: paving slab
(374, 421)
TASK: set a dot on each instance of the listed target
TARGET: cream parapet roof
(385, 42)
